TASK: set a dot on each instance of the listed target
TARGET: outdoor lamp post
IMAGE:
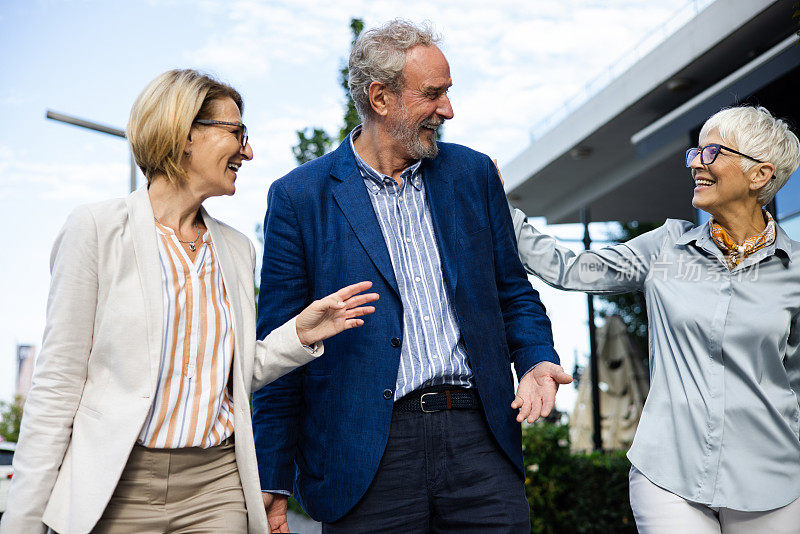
(102, 128)
(597, 429)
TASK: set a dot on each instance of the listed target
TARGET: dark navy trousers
(441, 472)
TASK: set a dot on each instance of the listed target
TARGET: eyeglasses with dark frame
(241, 135)
(709, 153)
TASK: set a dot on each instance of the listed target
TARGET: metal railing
(654, 38)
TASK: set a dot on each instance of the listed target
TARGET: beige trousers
(658, 511)
(177, 490)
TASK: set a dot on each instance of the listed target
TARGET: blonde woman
(139, 418)
(717, 449)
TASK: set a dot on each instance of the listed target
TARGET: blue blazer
(322, 429)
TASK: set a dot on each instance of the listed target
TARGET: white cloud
(26, 177)
(14, 99)
(513, 64)
(257, 35)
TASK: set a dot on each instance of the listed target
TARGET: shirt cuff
(288, 332)
(315, 349)
(279, 492)
(532, 368)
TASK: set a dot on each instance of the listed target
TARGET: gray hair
(379, 55)
(755, 132)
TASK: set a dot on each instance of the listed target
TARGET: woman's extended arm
(284, 349)
(614, 269)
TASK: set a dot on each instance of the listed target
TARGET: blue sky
(512, 63)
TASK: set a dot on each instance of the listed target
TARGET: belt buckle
(422, 402)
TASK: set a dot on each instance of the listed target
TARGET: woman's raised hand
(338, 311)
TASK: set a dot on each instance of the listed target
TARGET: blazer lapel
(143, 231)
(441, 200)
(231, 280)
(352, 198)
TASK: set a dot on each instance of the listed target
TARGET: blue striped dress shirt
(432, 352)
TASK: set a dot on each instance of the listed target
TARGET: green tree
(311, 144)
(574, 493)
(351, 118)
(314, 142)
(10, 419)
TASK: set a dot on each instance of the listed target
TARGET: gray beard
(408, 133)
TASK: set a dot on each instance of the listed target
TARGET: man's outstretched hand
(536, 393)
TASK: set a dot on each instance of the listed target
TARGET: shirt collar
(411, 174)
(698, 233)
(702, 233)
(734, 252)
(782, 242)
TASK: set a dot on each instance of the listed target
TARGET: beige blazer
(96, 374)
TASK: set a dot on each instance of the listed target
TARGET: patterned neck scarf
(734, 253)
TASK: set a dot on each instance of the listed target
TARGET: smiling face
(216, 152)
(422, 106)
(723, 184)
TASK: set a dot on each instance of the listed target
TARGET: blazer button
(388, 394)
(395, 342)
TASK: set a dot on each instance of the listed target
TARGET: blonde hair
(755, 132)
(162, 117)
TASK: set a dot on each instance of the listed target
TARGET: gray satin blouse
(721, 423)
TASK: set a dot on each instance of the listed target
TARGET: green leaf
(10, 419)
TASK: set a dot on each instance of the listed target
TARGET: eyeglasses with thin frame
(241, 135)
(709, 153)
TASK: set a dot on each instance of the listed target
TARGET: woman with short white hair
(717, 449)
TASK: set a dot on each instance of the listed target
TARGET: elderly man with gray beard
(409, 424)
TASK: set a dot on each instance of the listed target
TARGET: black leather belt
(438, 398)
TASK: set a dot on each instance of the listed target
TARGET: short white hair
(755, 132)
(379, 55)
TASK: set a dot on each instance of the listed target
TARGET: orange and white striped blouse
(192, 406)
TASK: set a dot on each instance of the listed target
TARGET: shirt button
(408, 240)
(388, 394)
(395, 342)
(427, 318)
(417, 279)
